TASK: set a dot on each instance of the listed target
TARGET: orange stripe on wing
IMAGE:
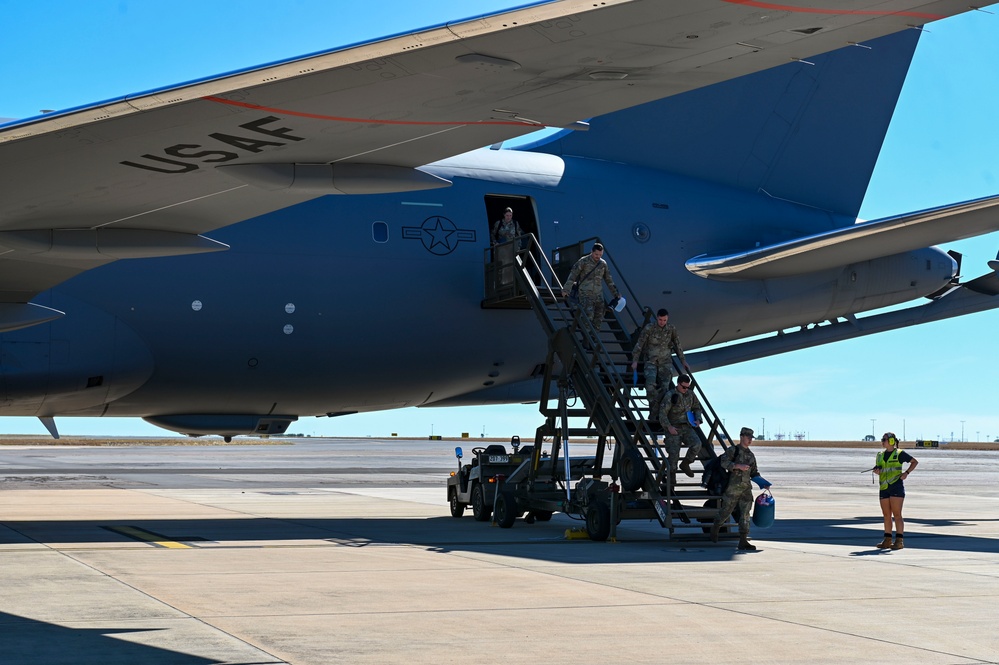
(336, 118)
(817, 10)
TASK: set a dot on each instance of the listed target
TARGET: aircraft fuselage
(360, 303)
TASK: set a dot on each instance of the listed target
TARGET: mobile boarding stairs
(628, 474)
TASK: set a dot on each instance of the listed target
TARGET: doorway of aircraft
(525, 215)
(523, 212)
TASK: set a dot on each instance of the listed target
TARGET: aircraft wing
(860, 242)
(145, 174)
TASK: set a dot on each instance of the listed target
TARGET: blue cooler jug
(763, 510)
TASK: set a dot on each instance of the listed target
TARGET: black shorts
(895, 489)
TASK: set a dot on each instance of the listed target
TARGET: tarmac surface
(343, 551)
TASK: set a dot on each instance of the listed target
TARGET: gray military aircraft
(716, 146)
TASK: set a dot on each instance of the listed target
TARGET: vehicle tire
(457, 507)
(633, 470)
(480, 511)
(598, 521)
(506, 509)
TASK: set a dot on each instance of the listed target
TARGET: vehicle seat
(494, 449)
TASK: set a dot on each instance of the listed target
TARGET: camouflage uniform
(591, 289)
(738, 493)
(503, 231)
(675, 414)
(659, 343)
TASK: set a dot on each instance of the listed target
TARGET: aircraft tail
(809, 132)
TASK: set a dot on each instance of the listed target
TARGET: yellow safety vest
(891, 468)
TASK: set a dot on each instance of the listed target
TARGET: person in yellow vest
(888, 466)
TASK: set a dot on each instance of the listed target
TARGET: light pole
(873, 435)
(763, 429)
(962, 430)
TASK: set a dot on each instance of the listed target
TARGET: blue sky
(941, 148)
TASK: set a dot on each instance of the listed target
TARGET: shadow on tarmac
(642, 542)
(31, 642)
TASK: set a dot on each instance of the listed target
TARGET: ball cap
(745, 431)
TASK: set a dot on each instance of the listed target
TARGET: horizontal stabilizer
(860, 242)
(978, 295)
(987, 285)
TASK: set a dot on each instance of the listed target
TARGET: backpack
(715, 478)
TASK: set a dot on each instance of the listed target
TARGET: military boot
(685, 467)
(715, 527)
(744, 544)
(885, 544)
(898, 544)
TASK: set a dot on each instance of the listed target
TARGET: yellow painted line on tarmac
(136, 533)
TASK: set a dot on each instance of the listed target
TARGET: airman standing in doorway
(506, 229)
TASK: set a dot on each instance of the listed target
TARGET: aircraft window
(196, 305)
(641, 232)
(290, 308)
(288, 329)
(379, 232)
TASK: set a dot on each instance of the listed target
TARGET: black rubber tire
(506, 510)
(480, 511)
(633, 470)
(598, 521)
(457, 507)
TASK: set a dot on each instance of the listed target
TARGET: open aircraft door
(525, 214)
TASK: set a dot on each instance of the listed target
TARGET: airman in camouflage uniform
(740, 462)
(673, 416)
(590, 272)
(506, 229)
(659, 340)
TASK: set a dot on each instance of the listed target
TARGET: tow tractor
(529, 483)
(475, 484)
